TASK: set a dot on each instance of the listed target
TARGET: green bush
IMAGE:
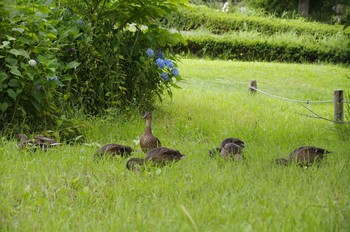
(195, 17)
(252, 48)
(59, 59)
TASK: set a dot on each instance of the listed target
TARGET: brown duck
(148, 141)
(159, 156)
(38, 141)
(113, 150)
(235, 146)
(232, 151)
(304, 156)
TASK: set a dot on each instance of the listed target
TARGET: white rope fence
(291, 100)
(338, 101)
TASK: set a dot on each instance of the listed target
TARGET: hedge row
(248, 49)
(217, 22)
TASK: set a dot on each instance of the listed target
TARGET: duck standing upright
(148, 141)
(304, 156)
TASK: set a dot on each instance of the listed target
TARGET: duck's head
(282, 161)
(21, 137)
(148, 115)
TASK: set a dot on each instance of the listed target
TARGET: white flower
(32, 62)
(144, 28)
(131, 27)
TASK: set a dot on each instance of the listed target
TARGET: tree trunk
(303, 8)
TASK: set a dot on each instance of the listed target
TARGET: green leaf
(4, 106)
(4, 44)
(20, 30)
(51, 36)
(44, 9)
(3, 76)
(19, 52)
(14, 83)
(73, 64)
(15, 71)
(12, 94)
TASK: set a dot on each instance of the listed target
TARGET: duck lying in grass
(232, 151)
(304, 156)
(113, 150)
(148, 141)
(159, 156)
(38, 141)
(230, 148)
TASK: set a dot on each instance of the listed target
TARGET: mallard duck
(38, 141)
(148, 141)
(159, 156)
(304, 156)
(238, 147)
(114, 150)
(232, 151)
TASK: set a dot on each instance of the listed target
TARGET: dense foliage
(61, 57)
(231, 36)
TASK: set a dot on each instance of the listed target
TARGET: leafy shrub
(60, 60)
(201, 17)
(31, 72)
(252, 48)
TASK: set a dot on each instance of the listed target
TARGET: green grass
(65, 190)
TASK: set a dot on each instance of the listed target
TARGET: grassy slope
(64, 189)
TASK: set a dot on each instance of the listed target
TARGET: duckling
(148, 141)
(232, 151)
(38, 141)
(159, 156)
(304, 156)
(239, 145)
(113, 150)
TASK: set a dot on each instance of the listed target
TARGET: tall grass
(66, 190)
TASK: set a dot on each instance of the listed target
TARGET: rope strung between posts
(291, 100)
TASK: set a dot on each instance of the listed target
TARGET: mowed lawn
(65, 189)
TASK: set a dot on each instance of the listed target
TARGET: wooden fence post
(338, 106)
(253, 86)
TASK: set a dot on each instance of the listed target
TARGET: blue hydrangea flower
(175, 72)
(54, 78)
(150, 52)
(160, 63)
(159, 55)
(169, 63)
(165, 76)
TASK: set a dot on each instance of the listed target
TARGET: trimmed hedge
(250, 49)
(217, 22)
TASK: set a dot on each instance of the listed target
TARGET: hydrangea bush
(57, 60)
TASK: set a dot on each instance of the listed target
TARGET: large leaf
(73, 64)
(15, 71)
(4, 106)
(19, 52)
(20, 30)
(3, 76)
(12, 94)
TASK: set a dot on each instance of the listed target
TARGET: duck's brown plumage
(232, 151)
(304, 155)
(236, 146)
(148, 141)
(159, 156)
(38, 141)
(114, 149)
